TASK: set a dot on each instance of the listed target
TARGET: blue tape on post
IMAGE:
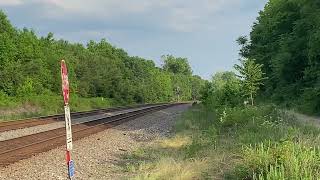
(71, 168)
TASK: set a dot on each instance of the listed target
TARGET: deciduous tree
(251, 75)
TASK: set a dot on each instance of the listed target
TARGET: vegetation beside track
(223, 138)
(259, 142)
(13, 108)
(238, 132)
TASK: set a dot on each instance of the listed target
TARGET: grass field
(231, 143)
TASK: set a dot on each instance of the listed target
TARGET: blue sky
(203, 31)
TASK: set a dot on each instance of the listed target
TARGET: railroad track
(20, 124)
(13, 150)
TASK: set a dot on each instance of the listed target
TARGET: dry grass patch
(176, 142)
(170, 168)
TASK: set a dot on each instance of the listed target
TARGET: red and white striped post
(65, 92)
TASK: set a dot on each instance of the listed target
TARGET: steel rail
(42, 120)
(14, 150)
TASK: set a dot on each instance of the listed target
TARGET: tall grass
(285, 160)
(261, 142)
(274, 145)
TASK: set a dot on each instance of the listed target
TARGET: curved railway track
(13, 150)
(36, 121)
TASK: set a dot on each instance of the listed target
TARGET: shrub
(27, 88)
(309, 102)
(242, 116)
(5, 100)
(223, 91)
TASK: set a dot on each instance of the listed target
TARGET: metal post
(65, 92)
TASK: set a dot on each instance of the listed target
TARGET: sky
(204, 31)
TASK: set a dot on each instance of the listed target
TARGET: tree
(5, 25)
(251, 75)
(176, 65)
(285, 39)
(243, 42)
(197, 85)
(223, 90)
(181, 86)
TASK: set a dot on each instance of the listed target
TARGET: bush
(223, 91)
(242, 116)
(27, 88)
(309, 102)
(6, 101)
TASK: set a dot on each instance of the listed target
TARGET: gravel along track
(55, 125)
(96, 156)
(36, 121)
(12, 125)
(30, 145)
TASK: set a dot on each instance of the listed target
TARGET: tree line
(284, 44)
(285, 39)
(29, 65)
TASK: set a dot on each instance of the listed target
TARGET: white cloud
(176, 15)
(97, 8)
(199, 15)
(86, 35)
(10, 2)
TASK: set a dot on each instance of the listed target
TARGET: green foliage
(28, 88)
(275, 145)
(184, 85)
(224, 90)
(251, 75)
(5, 100)
(309, 102)
(29, 66)
(285, 39)
(176, 65)
(197, 84)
